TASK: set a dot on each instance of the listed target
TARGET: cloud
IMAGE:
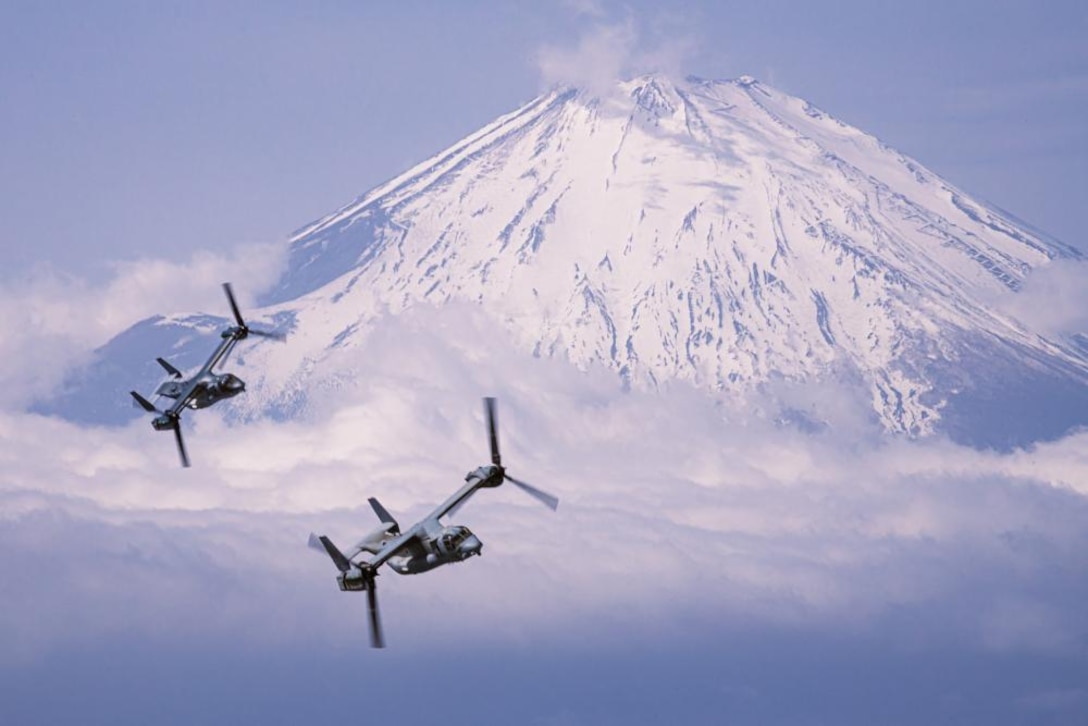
(685, 523)
(609, 50)
(591, 8)
(50, 322)
(601, 57)
(678, 513)
(1054, 299)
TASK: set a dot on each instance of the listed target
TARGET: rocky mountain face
(716, 232)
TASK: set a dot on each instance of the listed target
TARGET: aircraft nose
(472, 546)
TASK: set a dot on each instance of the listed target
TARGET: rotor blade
(280, 337)
(376, 639)
(549, 501)
(181, 444)
(492, 430)
(144, 403)
(233, 305)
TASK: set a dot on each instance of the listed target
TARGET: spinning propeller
(366, 575)
(170, 419)
(543, 497)
(243, 329)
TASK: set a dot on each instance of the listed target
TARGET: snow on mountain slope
(722, 233)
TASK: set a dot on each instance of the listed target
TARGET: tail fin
(144, 403)
(323, 543)
(384, 515)
(169, 368)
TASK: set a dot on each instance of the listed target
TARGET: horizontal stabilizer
(144, 403)
(342, 563)
(169, 368)
(384, 515)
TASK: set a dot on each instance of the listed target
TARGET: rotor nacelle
(163, 423)
(354, 580)
(489, 475)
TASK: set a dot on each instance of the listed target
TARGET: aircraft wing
(221, 353)
(462, 495)
(170, 389)
(188, 391)
(394, 546)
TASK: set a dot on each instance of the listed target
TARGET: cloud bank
(689, 531)
(50, 322)
(1054, 299)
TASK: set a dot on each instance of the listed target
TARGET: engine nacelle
(351, 581)
(162, 423)
(486, 476)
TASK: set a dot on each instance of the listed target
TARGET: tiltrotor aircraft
(205, 387)
(426, 544)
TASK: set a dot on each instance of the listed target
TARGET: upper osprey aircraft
(205, 387)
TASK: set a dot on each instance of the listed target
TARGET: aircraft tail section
(169, 389)
(384, 515)
(169, 368)
(144, 403)
(374, 540)
(324, 544)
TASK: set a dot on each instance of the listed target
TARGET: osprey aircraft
(426, 544)
(205, 387)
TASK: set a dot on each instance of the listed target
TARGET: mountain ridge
(719, 232)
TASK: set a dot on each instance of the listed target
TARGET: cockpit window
(453, 539)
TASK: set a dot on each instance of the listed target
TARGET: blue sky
(140, 129)
(153, 150)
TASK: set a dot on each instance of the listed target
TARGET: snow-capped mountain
(722, 233)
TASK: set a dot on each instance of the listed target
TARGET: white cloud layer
(50, 322)
(677, 514)
(1054, 299)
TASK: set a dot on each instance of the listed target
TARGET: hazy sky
(149, 129)
(705, 565)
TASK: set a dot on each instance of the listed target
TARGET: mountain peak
(718, 232)
(656, 95)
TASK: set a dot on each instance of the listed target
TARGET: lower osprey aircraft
(426, 544)
(205, 387)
